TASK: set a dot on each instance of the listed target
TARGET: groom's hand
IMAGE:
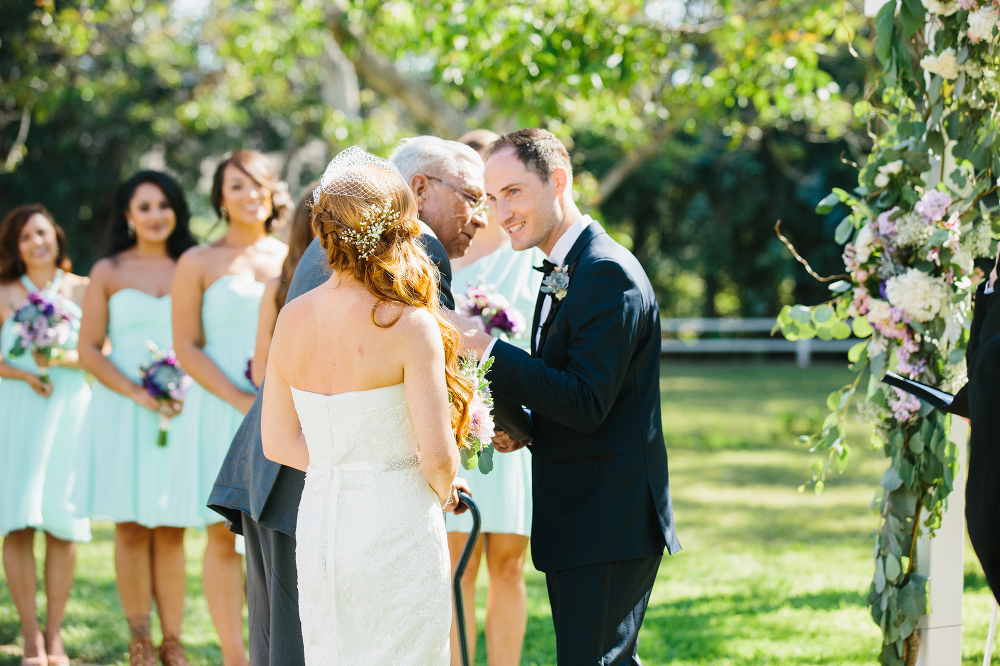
(504, 444)
(473, 337)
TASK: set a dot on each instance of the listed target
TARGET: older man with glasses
(447, 180)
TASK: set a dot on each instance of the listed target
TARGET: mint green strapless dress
(503, 495)
(229, 311)
(123, 475)
(38, 439)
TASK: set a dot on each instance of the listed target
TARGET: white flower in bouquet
(892, 168)
(942, 8)
(978, 241)
(881, 180)
(917, 294)
(945, 65)
(863, 244)
(981, 23)
(879, 312)
(963, 259)
(912, 230)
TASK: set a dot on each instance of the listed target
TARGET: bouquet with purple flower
(491, 312)
(479, 436)
(165, 380)
(42, 325)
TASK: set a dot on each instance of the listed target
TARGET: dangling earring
(224, 213)
(131, 230)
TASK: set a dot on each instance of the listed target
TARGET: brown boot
(172, 653)
(140, 652)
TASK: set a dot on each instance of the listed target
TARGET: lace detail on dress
(387, 600)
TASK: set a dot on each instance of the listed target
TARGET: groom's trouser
(597, 611)
(272, 597)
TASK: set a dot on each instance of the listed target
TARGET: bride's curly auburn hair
(397, 270)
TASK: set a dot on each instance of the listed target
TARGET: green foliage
(910, 245)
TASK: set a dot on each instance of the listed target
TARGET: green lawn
(767, 575)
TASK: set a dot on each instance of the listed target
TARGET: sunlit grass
(768, 575)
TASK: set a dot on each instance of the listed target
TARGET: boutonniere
(557, 282)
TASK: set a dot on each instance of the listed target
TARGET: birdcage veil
(355, 173)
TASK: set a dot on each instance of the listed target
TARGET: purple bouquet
(165, 380)
(42, 325)
(491, 311)
(248, 373)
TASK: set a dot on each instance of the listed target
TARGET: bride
(362, 392)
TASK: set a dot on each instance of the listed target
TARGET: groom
(259, 497)
(602, 509)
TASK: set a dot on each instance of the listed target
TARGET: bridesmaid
(216, 295)
(504, 495)
(39, 422)
(299, 237)
(122, 473)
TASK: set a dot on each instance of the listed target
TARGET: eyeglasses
(478, 206)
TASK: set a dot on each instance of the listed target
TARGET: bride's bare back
(325, 342)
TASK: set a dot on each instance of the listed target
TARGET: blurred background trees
(694, 125)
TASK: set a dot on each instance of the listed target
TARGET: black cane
(463, 562)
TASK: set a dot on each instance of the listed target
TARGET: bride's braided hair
(394, 267)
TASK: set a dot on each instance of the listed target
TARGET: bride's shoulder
(416, 327)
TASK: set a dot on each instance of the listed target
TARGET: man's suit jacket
(250, 483)
(982, 491)
(599, 464)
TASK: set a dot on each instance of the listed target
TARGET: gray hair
(431, 155)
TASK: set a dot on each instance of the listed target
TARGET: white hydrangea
(879, 312)
(978, 242)
(863, 244)
(942, 8)
(945, 65)
(912, 230)
(917, 294)
(981, 23)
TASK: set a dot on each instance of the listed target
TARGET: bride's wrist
(449, 501)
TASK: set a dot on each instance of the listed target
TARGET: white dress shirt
(558, 255)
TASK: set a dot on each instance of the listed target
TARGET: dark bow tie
(546, 268)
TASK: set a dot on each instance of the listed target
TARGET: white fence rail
(685, 336)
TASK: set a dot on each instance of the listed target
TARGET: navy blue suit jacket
(599, 464)
(250, 483)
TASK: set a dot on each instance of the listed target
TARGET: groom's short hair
(431, 155)
(537, 149)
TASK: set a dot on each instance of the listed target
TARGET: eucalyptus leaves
(914, 226)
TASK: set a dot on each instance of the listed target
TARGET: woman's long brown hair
(398, 270)
(300, 235)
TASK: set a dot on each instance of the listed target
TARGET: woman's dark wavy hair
(11, 266)
(263, 171)
(118, 238)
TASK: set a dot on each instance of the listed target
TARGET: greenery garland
(909, 254)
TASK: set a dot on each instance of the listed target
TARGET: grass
(767, 575)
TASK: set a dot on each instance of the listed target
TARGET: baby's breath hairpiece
(376, 220)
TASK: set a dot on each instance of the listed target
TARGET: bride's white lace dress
(371, 548)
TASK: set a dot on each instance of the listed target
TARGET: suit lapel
(592, 231)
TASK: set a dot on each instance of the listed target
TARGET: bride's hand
(452, 504)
